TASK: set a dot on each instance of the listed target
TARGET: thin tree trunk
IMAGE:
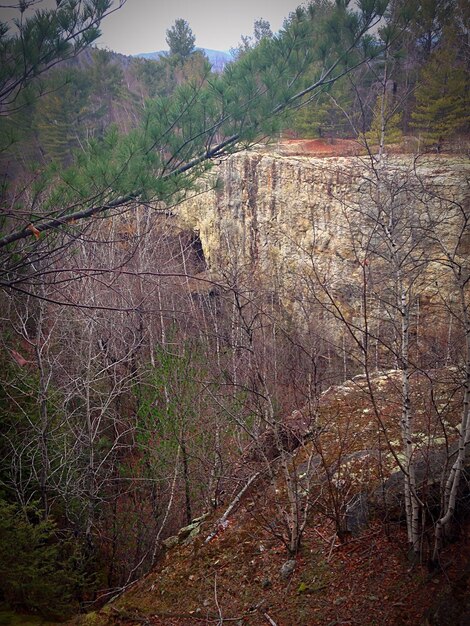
(187, 487)
(411, 498)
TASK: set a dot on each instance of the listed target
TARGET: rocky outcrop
(186, 534)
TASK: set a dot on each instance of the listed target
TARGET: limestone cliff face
(279, 215)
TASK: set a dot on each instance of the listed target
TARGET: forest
(203, 332)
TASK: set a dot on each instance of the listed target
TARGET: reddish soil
(321, 147)
(366, 582)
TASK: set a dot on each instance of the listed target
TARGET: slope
(352, 567)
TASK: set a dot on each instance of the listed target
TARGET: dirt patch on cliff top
(321, 147)
(330, 147)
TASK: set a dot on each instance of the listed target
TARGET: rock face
(271, 211)
(276, 214)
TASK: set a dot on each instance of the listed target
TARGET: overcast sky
(140, 25)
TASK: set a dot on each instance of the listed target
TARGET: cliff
(274, 214)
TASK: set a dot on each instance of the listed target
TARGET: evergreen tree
(329, 115)
(43, 39)
(442, 96)
(180, 40)
(429, 18)
(62, 112)
(261, 30)
(386, 121)
(157, 76)
(106, 91)
(40, 570)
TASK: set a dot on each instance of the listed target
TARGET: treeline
(419, 87)
(81, 99)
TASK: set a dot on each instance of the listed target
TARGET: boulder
(429, 467)
(286, 436)
(287, 569)
(170, 542)
(188, 530)
(186, 534)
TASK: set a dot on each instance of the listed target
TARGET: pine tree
(62, 112)
(180, 40)
(329, 115)
(262, 30)
(106, 91)
(442, 97)
(41, 569)
(157, 76)
(43, 39)
(386, 120)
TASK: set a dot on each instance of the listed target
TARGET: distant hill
(217, 58)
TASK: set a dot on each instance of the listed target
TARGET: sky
(140, 25)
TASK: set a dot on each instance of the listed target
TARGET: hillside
(217, 58)
(235, 567)
(332, 465)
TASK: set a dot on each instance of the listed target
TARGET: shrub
(40, 571)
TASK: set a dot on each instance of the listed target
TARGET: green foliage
(61, 113)
(157, 76)
(331, 112)
(427, 20)
(180, 39)
(329, 115)
(442, 96)
(106, 87)
(76, 103)
(385, 125)
(261, 30)
(177, 418)
(19, 414)
(17, 129)
(161, 77)
(8, 617)
(171, 398)
(41, 40)
(40, 570)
